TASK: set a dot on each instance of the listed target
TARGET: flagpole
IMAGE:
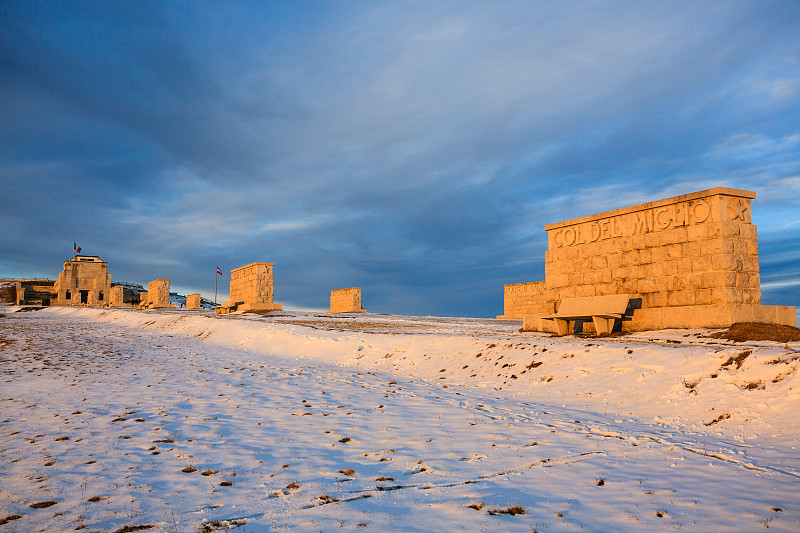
(215, 287)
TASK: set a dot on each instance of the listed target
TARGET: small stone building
(251, 289)
(689, 261)
(28, 291)
(346, 301)
(84, 281)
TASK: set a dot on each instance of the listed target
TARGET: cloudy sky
(415, 149)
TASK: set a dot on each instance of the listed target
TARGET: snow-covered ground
(181, 420)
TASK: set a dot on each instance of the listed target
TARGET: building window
(100, 296)
(68, 296)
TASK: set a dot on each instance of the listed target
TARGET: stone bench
(602, 310)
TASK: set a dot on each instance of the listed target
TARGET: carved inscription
(243, 272)
(524, 287)
(646, 221)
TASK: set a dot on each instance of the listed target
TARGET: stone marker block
(695, 251)
(158, 294)
(251, 289)
(193, 301)
(346, 301)
(116, 296)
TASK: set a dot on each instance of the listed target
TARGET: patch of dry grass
(512, 510)
(754, 331)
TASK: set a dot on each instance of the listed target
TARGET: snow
(654, 430)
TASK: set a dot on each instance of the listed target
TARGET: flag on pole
(219, 272)
(75, 247)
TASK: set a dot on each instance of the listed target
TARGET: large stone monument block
(346, 301)
(193, 301)
(157, 295)
(687, 261)
(116, 296)
(251, 289)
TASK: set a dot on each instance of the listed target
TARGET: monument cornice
(726, 191)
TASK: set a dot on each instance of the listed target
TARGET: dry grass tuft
(754, 331)
(189, 469)
(43, 505)
(738, 360)
(9, 518)
(137, 527)
(720, 418)
(512, 510)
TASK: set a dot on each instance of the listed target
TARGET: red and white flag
(219, 272)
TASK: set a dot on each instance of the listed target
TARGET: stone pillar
(193, 301)
(116, 296)
(346, 301)
(20, 293)
(251, 289)
(158, 294)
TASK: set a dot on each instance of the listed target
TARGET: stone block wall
(158, 293)
(252, 283)
(251, 289)
(683, 251)
(144, 298)
(116, 296)
(346, 300)
(193, 301)
(520, 299)
(698, 249)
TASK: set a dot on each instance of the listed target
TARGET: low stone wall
(525, 298)
(346, 301)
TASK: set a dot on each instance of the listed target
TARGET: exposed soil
(753, 331)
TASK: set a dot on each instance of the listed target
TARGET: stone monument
(84, 281)
(193, 301)
(158, 294)
(346, 301)
(689, 261)
(116, 296)
(251, 289)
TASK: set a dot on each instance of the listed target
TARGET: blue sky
(414, 149)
